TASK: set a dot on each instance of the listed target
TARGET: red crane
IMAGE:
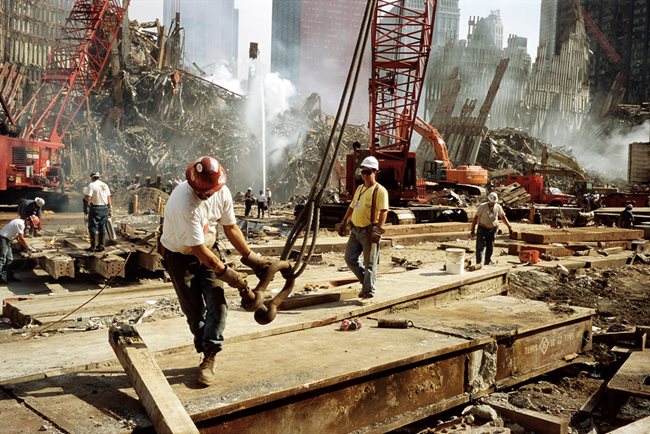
(401, 43)
(75, 66)
(600, 37)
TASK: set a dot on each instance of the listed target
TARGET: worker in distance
(487, 218)
(197, 271)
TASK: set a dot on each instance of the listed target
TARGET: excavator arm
(431, 135)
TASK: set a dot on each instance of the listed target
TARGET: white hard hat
(370, 163)
(249, 189)
(493, 198)
(39, 201)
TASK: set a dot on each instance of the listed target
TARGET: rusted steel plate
(57, 266)
(107, 266)
(149, 261)
(538, 351)
(375, 403)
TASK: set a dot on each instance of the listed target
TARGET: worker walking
(626, 218)
(367, 213)
(98, 199)
(189, 232)
(249, 199)
(487, 217)
(28, 207)
(15, 229)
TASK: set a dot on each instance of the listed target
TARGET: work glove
(257, 263)
(343, 228)
(233, 278)
(375, 234)
(32, 249)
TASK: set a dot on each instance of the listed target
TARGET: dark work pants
(97, 218)
(202, 299)
(6, 258)
(485, 240)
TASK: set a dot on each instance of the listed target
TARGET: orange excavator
(442, 170)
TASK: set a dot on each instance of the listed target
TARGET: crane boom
(401, 43)
(75, 66)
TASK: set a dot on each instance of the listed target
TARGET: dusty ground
(618, 295)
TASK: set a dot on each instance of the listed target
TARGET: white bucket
(455, 263)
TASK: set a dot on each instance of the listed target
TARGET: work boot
(93, 243)
(206, 369)
(12, 278)
(100, 245)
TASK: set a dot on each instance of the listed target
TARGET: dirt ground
(618, 295)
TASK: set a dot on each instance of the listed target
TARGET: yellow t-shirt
(362, 204)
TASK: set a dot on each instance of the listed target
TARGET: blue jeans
(366, 271)
(6, 258)
(97, 218)
(202, 300)
(485, 240)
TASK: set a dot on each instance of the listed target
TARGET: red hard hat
(205, 175)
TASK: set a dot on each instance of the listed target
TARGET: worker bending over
(13, 230)
(197, 272)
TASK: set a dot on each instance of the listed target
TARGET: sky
(519, 17)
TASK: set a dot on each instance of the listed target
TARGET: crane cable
(308, 220)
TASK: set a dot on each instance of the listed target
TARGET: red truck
(534, 185)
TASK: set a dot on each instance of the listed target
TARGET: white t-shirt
(13, 229)
(190, 221)
(98, 192)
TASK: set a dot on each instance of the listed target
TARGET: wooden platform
(548, 236)
(300, 374)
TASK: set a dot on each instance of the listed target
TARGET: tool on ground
(394, 323)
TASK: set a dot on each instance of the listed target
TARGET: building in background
(313, 43)
(285, 39)
(211, 33)
(625, 25)
(446, 24)
(476, 60)
(488, 30)
(547, 26)
(29, 30)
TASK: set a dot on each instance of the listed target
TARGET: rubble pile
(163, 118)
(509, 148)
(306, 130)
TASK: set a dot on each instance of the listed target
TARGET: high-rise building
(488, 29)
(210, 29)
(547, 25)
(625, 25)
(285, 39)
(29, 30)
(447, 23)
(316, 41)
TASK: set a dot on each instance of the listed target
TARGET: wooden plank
(18, 418)
(534, 420)
(641, 426)
(426, 228)
(632, 377)
(548, 236)
(409, 240)
(163, 407)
